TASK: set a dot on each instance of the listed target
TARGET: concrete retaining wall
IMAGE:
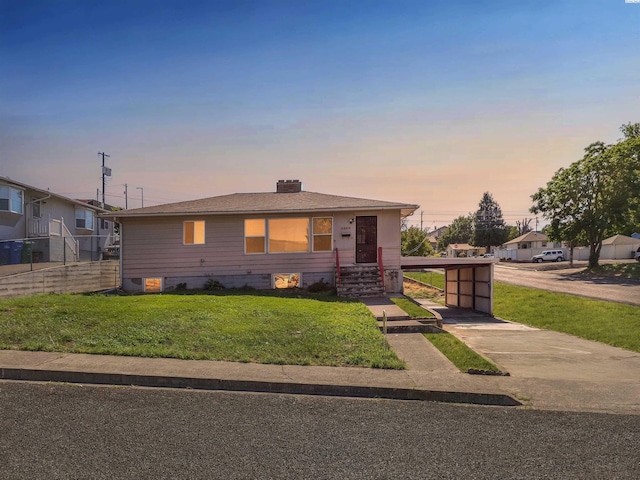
(76, 278)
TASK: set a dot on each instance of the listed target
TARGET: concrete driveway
(549, 368)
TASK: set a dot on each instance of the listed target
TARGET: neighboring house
(279, 239)
(524, 247)
(617, 247)
(42, 226)
(455, 250)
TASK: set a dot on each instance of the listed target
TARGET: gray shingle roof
(258, 203)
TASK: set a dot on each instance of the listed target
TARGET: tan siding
(152, 247)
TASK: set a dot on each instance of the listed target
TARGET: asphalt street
(71, 431)
(566, 281)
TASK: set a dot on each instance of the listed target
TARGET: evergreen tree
(489, 227)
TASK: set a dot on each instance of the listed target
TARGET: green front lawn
(607, 322)
(239, 327)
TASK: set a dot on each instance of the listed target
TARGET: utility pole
(106, 172)
(126, 197)
(421, 212)
(141, 193)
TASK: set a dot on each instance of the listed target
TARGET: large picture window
(254, 235)
(193, 232)
(322, 234)
(288, 235)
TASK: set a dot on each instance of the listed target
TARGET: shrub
(319, 286)
(212, 284)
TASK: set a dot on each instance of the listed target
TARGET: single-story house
(279, 239)
(42, 226)
(455, 250)
(524, 247)
(617, 247)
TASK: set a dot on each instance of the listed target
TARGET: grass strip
(459, 353)
(413, 310)
(257, 328)
(434, 279)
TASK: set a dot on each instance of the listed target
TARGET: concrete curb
(257, 386)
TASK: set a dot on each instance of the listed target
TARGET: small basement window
(153, 285)
(286, 280)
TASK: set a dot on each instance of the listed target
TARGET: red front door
(366, 239)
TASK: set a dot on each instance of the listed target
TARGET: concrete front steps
(360, 281)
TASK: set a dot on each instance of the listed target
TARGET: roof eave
(405, 210)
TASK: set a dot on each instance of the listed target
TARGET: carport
(468, 281)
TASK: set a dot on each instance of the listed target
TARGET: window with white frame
(255, 235)
(193, 232)
(35, 210)
(84, 219)
(288, 235)
(11, 199)
(322, 234)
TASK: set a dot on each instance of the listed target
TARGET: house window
(153, 285)
(193, 232)
(11, 200)
(322, 234)
(286, 280)
(35, 210)
(285, 235)
(288, 235)
(254, 235)
(84, 219)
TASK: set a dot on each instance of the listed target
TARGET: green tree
(489, 227)
(415, 242)
(513, 233)
(460, 231)
(594, 195)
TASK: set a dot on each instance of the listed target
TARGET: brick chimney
(289, 186)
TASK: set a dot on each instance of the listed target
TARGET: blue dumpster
(4, 253)
(15, 252)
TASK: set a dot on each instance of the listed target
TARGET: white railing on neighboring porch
(69, 239)
(39, 227)
(44, 227)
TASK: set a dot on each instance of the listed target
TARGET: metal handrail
(337, 265)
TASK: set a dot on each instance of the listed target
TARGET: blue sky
(422, 102)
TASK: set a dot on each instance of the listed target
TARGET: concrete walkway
(549, 370)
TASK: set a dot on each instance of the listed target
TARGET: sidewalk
(549, 370)
(429, 377)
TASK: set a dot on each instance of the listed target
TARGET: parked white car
(638, 255)
(549, 256)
